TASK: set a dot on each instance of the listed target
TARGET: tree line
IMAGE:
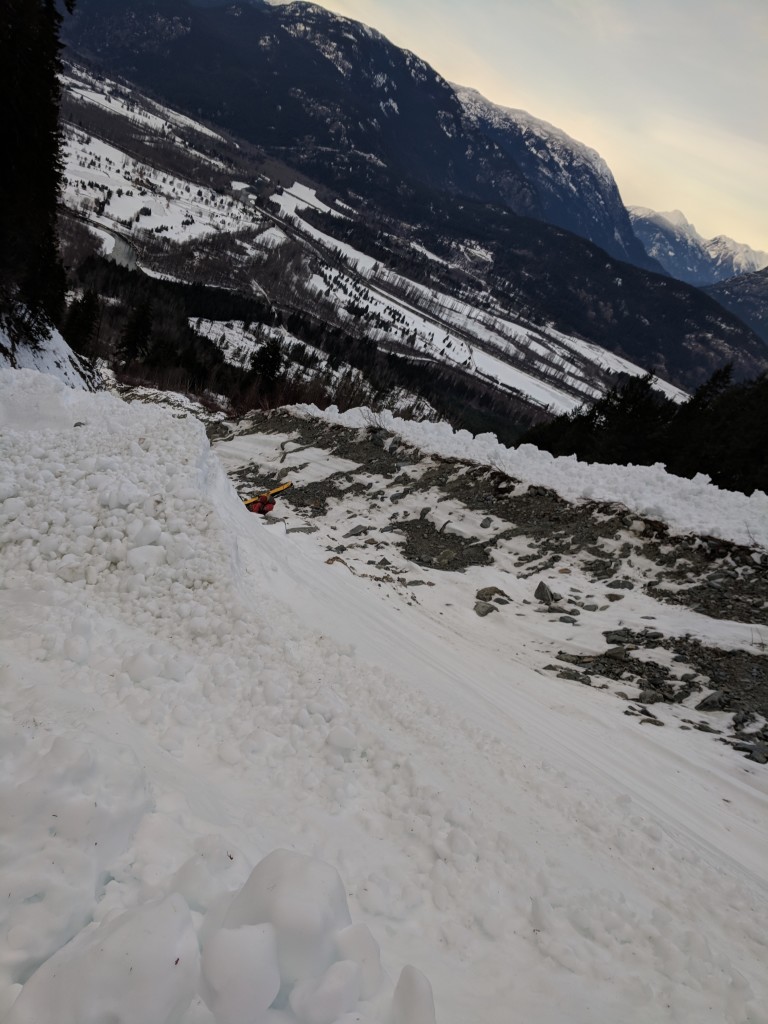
(720, 431)
(32, 281)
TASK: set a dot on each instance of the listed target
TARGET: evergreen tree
(721, 431)
(267, 363)
(81, 322)
(31, 275)
(137, 334)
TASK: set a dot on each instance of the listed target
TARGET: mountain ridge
(685, 254)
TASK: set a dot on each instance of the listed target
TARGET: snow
(104, 92)
(175, 207)
(241, 784)
(687, 506)
(51, 356)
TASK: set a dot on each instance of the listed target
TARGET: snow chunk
(322, 1000)
(413, 1002)
(240, 974)
(140, 966)
(358, 944)
(305, 900)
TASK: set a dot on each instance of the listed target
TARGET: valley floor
(187, 687)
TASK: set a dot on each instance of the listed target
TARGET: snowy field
(136, 196)
(240, 784)
(552, 369)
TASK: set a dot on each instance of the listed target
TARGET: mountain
(322, 92)
(338, 100)
(471, 308)
(747, 297)
(574, 186)
(672, 240)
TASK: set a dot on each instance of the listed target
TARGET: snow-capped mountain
(322, 92)
(671, 239)
(574, 186)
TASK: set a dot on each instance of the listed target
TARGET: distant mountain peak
(679, 220)
(677, 245)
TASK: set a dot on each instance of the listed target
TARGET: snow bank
(134, 674)
(688, 506)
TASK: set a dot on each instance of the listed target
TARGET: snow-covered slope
(51, 355)
(683, 252)
(187, 688)
(129, 202)
(552, 369)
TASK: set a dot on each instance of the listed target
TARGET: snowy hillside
(378, 682)
(683, 252)
(52, 356)
(136, 207)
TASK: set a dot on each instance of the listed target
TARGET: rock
(567, 618)
(759, 753)
(572, 675)
(618, 636)
(357, 531)
(650, 697)
(486, 523)
(545, 595)
(489, 593)
(614, 597)
(620, 585)
(483, 608)
(712, 702)
(619, 653)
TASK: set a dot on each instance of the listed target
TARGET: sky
(672, 93)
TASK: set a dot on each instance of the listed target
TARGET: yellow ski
(268, 494)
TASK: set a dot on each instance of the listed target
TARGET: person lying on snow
(265, 502)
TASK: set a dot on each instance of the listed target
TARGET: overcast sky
(672, 93)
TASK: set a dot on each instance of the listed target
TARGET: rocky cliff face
(747, 297)
(573, 185)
